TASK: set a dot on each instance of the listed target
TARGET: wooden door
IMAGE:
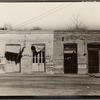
(38, 59)
(70, 63)
(93, 61)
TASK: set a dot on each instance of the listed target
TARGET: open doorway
(93, 58)
(70, 58)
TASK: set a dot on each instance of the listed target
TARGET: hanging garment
(37, 48)
(10, 56)
(13, 53)
(19, 56)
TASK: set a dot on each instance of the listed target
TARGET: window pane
(43, 54)
(40, 57)
(36, 59)
(43, 60)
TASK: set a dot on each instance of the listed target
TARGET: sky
(54, 15)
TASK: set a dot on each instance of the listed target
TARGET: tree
(78, 24)
(7, 26)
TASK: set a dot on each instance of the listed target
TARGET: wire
(35, 18)
(41, 16)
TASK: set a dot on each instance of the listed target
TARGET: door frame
(44, 54)
(12, 44)
(93, 43)
(69, 50)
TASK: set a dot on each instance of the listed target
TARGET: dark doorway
(70, 63)
(93, 58)
(70, 58)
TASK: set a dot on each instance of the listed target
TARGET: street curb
(44, 75)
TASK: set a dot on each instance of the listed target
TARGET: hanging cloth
(12, 52)
(19, 55)
(37, 48)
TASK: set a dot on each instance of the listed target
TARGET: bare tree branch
(7, 26)
(77, 24)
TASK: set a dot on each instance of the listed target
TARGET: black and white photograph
(50, 49)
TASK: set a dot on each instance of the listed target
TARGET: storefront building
(50, 52)
(77, 52)
(26, 51)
